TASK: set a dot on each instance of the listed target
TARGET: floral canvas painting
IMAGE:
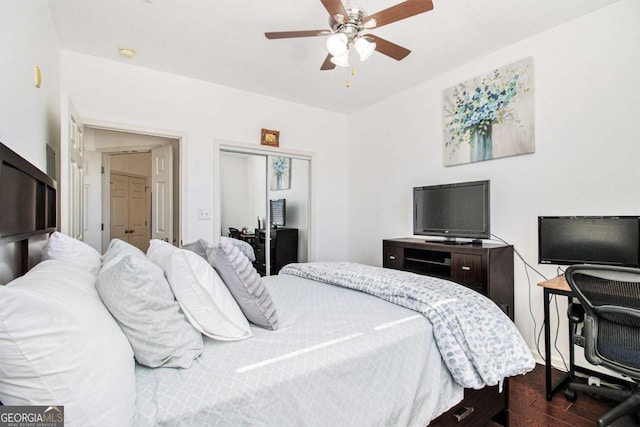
(490, 116)
(280, 173)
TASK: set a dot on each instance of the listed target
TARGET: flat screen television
(452, 210)
(278, 212)
(608, 240)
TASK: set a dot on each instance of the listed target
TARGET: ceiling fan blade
(334, 7)
(385, 47)
(327, 64)
(293, 34)
(395, 13)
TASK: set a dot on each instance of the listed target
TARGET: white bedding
(340, 357)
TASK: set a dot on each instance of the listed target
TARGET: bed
(338, 356)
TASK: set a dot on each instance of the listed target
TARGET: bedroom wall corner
(30, 116)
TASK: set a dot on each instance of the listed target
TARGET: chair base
(630, 401)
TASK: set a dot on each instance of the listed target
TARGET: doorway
(266, 201)
(113, 153)
(130, 216)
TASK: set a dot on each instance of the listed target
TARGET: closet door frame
(265, 151)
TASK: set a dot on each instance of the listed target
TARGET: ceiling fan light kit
(364, 47)
(342, 60)
(337, 44)
(348, 24)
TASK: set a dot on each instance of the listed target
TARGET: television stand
(486, 268)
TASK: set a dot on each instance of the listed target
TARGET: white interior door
(129, 210)
(162, 194)
(72, 173)
(138, 213)
(119, 207)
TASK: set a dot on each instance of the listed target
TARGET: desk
(559, 286)
(250, 238)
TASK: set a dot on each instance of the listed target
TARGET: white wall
(203, 112)
(586, 160)
(29, 117)
(237, 205)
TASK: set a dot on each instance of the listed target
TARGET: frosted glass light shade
(337, 44)
(364, 48)
(342, 60)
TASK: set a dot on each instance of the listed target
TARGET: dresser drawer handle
(391, 257)
(465, 268)
(463, 413)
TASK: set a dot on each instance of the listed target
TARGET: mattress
(340, 357)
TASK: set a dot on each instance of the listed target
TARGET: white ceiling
(222, 41)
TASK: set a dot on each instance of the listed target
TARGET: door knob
(126, 231)
(132, 231)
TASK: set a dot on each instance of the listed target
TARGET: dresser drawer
(393, 257)
(466, 269)
(476, 409)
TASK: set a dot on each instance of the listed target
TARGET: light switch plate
(204, 214)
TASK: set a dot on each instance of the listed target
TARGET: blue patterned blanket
(479, 344)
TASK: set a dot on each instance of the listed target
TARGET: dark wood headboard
(27, 214)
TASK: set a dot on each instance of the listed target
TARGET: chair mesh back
(618, 333)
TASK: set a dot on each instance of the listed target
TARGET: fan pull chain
(348, 85)
(352, 73)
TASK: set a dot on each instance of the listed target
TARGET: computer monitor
(609, 240)
(278, 212)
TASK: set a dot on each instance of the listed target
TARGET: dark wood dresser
(283, 248)
(486, 268)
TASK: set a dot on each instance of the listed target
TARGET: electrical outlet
(204, 214)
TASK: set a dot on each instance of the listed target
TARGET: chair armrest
(575, 313)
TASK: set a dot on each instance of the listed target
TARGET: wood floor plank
(529, 408)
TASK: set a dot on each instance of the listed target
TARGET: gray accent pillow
(199, 247)
(244, 283)
(138, 296)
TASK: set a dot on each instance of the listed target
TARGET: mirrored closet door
(265, 206)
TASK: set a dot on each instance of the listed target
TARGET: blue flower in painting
(475, 109)
(280, 165)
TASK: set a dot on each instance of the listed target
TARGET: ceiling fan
(347, 27)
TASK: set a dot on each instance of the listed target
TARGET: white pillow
(117, 250)
(203, 296)
(59, 345)
(65, 248)
(137, 294)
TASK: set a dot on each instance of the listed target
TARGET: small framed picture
(270, 137)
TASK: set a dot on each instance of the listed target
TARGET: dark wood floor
(528, 406)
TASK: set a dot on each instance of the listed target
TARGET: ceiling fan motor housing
(353, 24)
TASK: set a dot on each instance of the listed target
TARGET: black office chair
(610, 310)
(234, 232)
